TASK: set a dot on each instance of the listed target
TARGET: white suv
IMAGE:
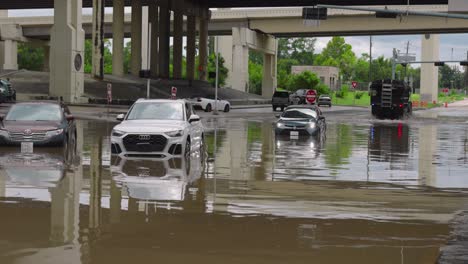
(157, 128)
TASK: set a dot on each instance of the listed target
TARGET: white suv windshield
(157, 111)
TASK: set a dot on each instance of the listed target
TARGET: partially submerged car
(157, 128)
(299, 120)
(42, 123)
(207, 103)
(324, 99)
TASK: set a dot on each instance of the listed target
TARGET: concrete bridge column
(269, 75)
(203, 58)
(225, 51)
(191, 38)
(98, 39)
(240, 60)
(67, 45)
(136, 37)
(118, 38)
(46, 66)
(178, 44)
(164, 39)
(9, 54)
(429, 72)
(153, 18)
(144, 39)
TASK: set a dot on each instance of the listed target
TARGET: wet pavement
(367, 191)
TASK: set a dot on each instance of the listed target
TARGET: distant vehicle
(157, 128)
(207, 103)
(280, 99)
(324, 99)
(390, 99)
(299, 96)
(42, 123)
(301, 120)
(7, 93)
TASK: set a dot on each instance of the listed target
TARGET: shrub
(358, 94)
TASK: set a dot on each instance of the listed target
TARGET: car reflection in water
(44, 168)
(152, 179)
(306, 150)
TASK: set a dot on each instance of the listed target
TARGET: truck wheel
(274, 108)
(282, 108)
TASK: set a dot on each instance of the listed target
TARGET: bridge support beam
(429, 72)
(164, 39)
(178, 45)
(235, 52)
(269, 75)
(67, 45)
(98, 39)
(191, 38)
(118, 38)
(136, 37)
(203, 58)
(153, 18)
(9, 54)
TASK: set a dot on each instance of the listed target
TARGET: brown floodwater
(376, 192)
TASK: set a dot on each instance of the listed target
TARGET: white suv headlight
(54, 132)
(117, 133)
(175, 133)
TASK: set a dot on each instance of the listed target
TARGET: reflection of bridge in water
(241, 208)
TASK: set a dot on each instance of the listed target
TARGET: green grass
(349, 100)
(442, 99)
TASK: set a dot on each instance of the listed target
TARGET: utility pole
(394, 63)
(407, 54)
(370, 58)
(466, 73)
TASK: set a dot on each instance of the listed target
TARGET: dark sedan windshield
(157, 111)
(34, 112)
(299, 113)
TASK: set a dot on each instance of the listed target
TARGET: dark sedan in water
(42, 123)
(301, 120)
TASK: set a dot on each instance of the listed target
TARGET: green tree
(88, 66)
(223, 71)
(307, 80)
(450, 77)
(339, 54)
(30, 58)
(299, 49)
(255, 78)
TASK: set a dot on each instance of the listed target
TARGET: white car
(207, 103)
(157, 128)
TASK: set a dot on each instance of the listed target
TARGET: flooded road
(367, 192)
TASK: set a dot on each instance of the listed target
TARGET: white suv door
(195, 128)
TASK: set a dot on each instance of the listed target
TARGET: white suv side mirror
(120, 117)
(194, 118)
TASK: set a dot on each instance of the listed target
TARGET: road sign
(173, 92)
(109, 93)
(354, 84)
(311, 96)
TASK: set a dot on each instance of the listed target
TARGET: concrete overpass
(253, 28)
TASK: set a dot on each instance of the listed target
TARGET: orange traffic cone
(446, 104)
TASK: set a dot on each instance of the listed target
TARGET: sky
(452, 46)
